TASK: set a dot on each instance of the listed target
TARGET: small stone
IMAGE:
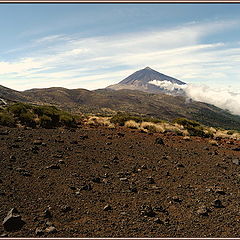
(159, 141)
(133, 189)
(150, 180)
(203, 211)
(37, 142)
(83, 137)
(51, 229)
(123, 179)
(236, 161)
(86, 187)
(35, 148)
(217, 203)
(13, 221)
(177, 199)
(121, 134)
(147, 211)
(61, 161)
(47, 214)
(14, 145)
(107, 208)
(106, 166)
(53, 166)
(157, 220)
(66, 209)
(39, 231)
(12, 158)
(96, 180)
(220, 191)
(180, 165)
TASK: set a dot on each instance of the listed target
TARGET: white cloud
(221, 97)
(72, 61)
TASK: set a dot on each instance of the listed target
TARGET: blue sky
(94, 45)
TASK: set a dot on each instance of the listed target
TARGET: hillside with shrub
(35, 116)
(107, 101)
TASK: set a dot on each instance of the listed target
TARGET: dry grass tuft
(99, 121)
(132, 124)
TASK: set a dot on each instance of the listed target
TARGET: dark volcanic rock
(147, 211)
(203, 210)
(53, 166)
(159, 141)
(217, 203)
(13, 221)
(107, 208)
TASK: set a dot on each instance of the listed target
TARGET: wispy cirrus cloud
(95, 62)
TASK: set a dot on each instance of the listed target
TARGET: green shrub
(68, 120)
(120, 118)
(18, 108)
(231, 132)
(186, 122)
(46, 122)
(152, 120)
(50, 111)
(27, 119)
(7, 119)
(198, 131)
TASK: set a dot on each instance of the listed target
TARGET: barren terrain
(99, 182)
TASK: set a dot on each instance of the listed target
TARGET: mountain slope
(11, 95)
(140, 81)
(163, 106)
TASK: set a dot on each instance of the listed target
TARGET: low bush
(46, 122)
(67, 120)
(186, 122)
(6, 119)
(28, 119)
(120, 118)
(18, 108)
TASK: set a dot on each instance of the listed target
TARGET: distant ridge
(139, 80)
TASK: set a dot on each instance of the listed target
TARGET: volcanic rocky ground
(99, 182)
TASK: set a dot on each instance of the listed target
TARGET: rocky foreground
(99, 182)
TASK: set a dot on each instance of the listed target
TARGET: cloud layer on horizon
(221, 97)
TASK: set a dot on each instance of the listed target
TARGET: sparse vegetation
(6, 119)
(36, 116)
(99, 121)
(132, 124)
(51, 117)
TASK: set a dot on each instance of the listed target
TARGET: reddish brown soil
(185, 176)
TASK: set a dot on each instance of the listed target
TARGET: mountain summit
(140, 80)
